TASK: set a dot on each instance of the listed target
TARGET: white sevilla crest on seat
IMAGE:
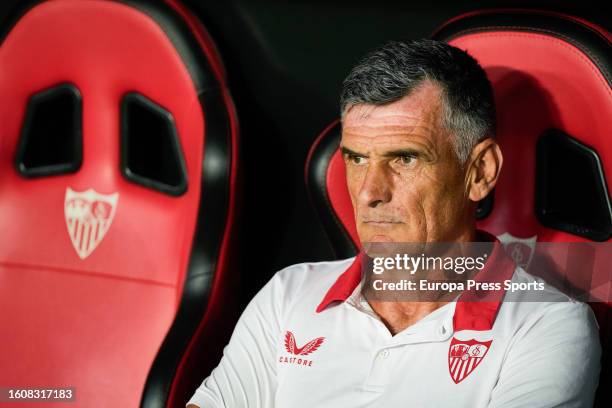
(88, 215)
(464, 356)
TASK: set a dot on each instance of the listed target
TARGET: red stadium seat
(118, 183)
(552, 77)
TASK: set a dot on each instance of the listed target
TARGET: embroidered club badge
(465, 356)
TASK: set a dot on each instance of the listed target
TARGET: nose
(377, 187)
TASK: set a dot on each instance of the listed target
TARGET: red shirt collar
(475, 310)
(345, 284)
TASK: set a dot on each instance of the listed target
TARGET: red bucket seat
(118, 169)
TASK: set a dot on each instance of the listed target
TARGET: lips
(382, 222)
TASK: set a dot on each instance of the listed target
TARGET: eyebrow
(401, 152)
(391, 153)
(346, 150)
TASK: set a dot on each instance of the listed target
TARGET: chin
(381, 238)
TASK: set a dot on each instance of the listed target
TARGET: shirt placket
(386, 353)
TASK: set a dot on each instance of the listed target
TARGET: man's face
(404, 178)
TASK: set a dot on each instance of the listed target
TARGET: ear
(484, 166)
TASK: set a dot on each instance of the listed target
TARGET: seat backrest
(117, 192)
(552, 76)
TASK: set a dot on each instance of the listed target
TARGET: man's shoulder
(533, 288)
(551, 348)
(550, 309)
(304, 283)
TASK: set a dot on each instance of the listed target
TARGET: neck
(398, 315)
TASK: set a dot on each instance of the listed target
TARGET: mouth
(382, 223)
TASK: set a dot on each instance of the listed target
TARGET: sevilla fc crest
(88, 217)
(292, 348)
(520, 249)
(464, 357)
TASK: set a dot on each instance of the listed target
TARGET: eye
(406, 159)
(356, 159)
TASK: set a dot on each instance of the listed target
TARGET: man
(418, 122)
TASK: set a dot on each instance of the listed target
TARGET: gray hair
(394, 70)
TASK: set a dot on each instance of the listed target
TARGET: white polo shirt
(308, 339)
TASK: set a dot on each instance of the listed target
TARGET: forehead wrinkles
(422, 130)
(415, 119)
(392, 140)
(423, 107)
(380, 118)
(390, 136)
(405, 125)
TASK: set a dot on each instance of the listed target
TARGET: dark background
(286, 62)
